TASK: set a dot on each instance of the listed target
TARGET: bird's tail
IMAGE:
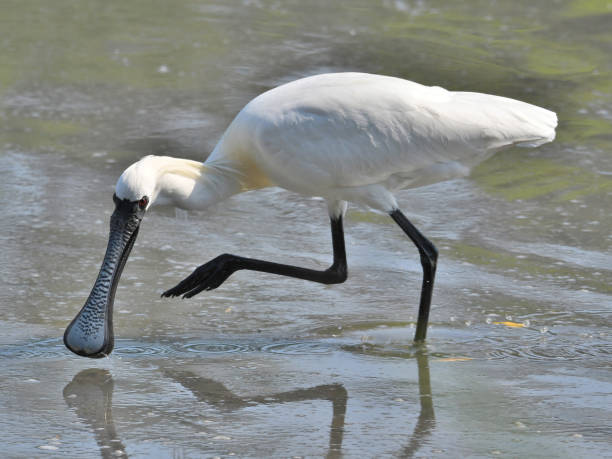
(543, 124)
(512, 122)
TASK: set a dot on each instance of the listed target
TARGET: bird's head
(152, 180)
(90, 334)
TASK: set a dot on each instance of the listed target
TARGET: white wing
(348, 130)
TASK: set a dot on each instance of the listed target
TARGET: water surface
(518, 357)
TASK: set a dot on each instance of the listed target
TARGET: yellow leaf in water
(454, 359)
(229, 309)
(510, 324)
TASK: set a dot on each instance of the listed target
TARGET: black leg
(212, 274)
(429, 258)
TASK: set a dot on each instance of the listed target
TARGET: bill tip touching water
(346, 137)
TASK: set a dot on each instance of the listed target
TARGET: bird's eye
(142, 204)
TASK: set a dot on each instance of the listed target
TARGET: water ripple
(52, 347)
(298, 348)
(536, 347)
(131, 348)
(208, 347)
(551, 350)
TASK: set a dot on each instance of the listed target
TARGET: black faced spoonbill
(346, 137)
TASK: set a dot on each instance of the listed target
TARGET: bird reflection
(216, 394)
(426, 421)
(90, 395)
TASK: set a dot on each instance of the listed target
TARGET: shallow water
(518, 357)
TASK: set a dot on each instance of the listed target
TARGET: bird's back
(352, 129)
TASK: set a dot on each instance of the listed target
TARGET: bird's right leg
(212, 274)
(429, 258)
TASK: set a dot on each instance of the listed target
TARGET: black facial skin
(130, 212)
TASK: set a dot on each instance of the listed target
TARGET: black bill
(90, 334)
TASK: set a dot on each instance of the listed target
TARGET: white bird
(346, 137)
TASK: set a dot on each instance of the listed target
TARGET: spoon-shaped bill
(90, 334)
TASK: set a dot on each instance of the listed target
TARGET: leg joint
(429, 255)
(336, 274)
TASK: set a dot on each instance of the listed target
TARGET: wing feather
(351, 129)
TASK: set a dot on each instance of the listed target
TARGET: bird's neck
(192, 185)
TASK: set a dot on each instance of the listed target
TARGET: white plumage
(334, 131)
(354, 137)
(348, 137)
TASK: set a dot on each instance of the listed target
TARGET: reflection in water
(426, 422)
(216, 394)
(90, 394)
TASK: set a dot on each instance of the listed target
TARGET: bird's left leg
(429, 259)
(212, 274)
